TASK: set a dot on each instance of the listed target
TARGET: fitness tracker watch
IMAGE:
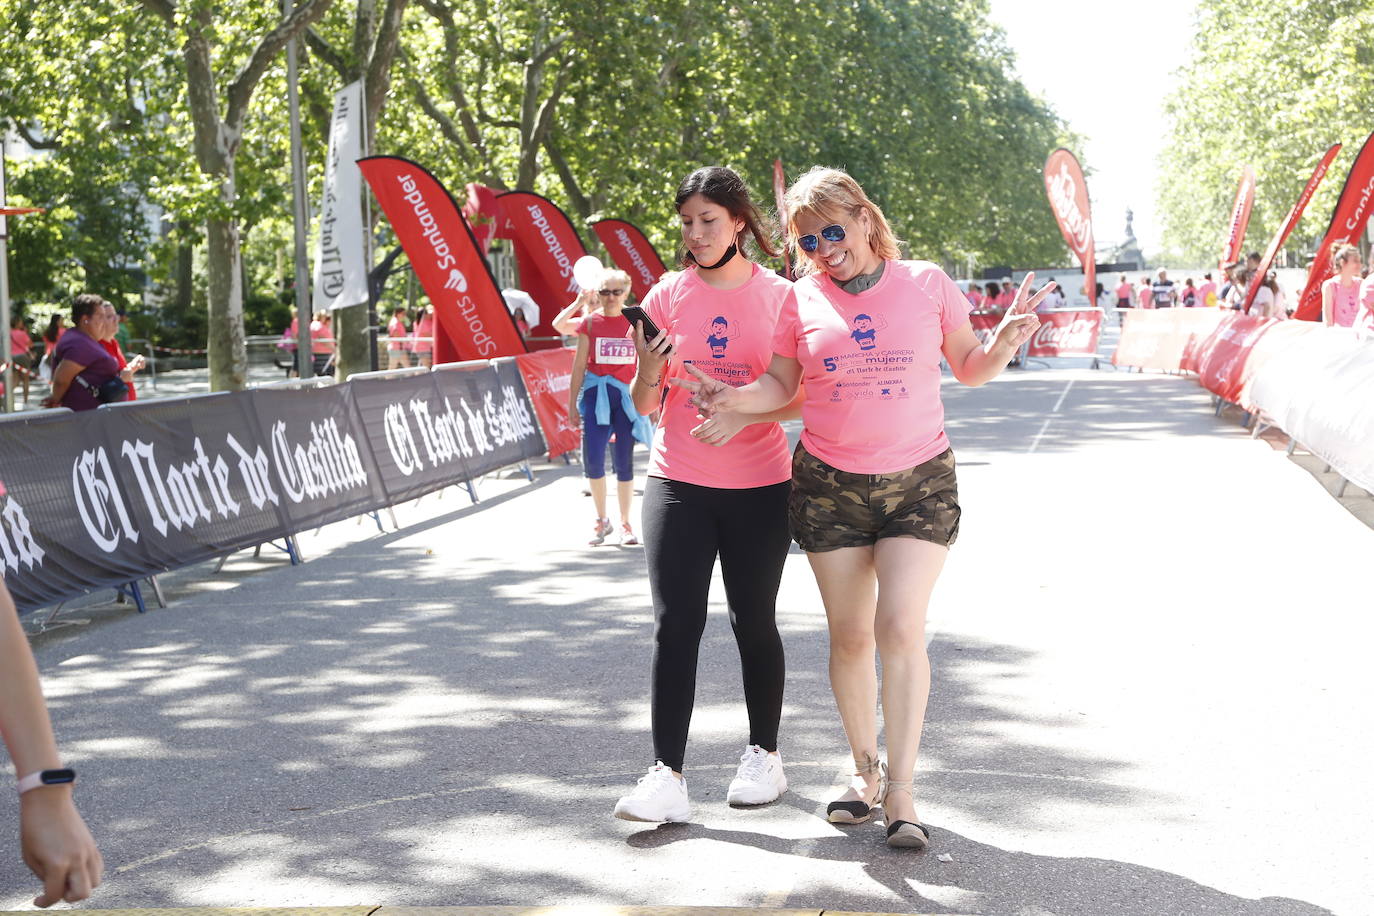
(63, 777)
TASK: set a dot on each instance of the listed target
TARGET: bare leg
(625, 494)
(598, 488)
(907, 569)
(847, 582)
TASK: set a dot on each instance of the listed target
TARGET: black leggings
(685, 527)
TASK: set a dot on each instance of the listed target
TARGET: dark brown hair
(724, 187)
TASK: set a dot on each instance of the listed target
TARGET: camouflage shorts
(830, 508)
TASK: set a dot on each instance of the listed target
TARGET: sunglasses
(834, 233)
(613, 292)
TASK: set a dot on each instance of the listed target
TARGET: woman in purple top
(81, 364)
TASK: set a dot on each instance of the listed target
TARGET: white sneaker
(759, 778)
(660, 796)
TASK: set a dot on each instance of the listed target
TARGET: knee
(901, 638)
(852, 642)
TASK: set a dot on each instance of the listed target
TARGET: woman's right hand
(653, 354)
(709, 395)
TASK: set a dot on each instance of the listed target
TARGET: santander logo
(1357, 218)
(456, 281)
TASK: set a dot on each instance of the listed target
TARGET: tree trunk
(351, 341)
(228, 359)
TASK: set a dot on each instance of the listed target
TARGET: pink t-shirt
(423, 332)
(1124, 292)
(871, 365)
(728, 334)
(1364, 321)
(1345, 301)
(1207, 289)
(1146, 297)
(396, 331)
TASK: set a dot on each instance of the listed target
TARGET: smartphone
(636, 315)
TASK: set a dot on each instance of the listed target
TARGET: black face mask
(729, 253)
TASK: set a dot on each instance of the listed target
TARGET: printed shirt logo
(865, 330)
(718, 334)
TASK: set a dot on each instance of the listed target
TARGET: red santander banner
(1240, 218)
(547, 375)
(632, 253)
(1348, 220)
(445, 257)
(1289, 222)
(545, 232)
(1066, 332)
(1068, 193)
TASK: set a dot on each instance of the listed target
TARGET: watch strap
(46, 778)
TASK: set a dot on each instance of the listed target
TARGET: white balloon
(587, 272)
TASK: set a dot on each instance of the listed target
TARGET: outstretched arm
(975, 364)
(53, 839)
(768, 392)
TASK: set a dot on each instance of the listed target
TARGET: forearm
(575, 389)
(646, 394)
(24, 723)
(981, 365)
(763, 396)
(789, 411)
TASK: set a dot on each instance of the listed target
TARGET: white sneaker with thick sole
(759, 779)
(660, 796)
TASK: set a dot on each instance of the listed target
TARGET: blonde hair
(1340, 253)
(613, 274)
(830, 195)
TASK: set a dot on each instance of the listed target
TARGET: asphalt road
(1151, 696)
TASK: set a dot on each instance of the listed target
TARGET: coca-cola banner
(632, 253)
(1221, 358)
(1234, 241)
(101, 498)
(1291, 220)
(1348, 220)
(546, 246)
(547, 375)
(1068, 193)
(1066, 332)
(446, 259)
(985, 324)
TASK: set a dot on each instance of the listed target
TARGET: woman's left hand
(719, 428)
(1020, 321)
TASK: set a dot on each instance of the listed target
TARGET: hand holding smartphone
(636, 315)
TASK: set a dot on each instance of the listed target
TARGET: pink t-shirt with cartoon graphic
(1345, 301)
(728, 334)
(871, 365)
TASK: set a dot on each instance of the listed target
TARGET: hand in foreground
(709, 395)
(1020, 321)
(653, 354)
(719, 428)
(57, 846)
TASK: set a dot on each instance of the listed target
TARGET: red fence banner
(1221, 358)
(1348, 220)
(547, 375)
(1240, 218)
(1068, 193)
(985, 324)
(779, 197)
(546, 245)
(445, 257)
(1289, 222)
(632, 253)
(1066, 332)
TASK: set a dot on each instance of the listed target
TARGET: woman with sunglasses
(717, 489)
(874, 502)
(599, 402)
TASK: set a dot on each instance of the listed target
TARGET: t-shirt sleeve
(583, 327)
(786, 331)
(954, 306)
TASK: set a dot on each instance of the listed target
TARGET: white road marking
(1035, 443)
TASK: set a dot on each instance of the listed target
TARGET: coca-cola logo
(1078, 335)
(1063, 190)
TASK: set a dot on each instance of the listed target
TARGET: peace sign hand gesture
(1020, 321)
(709, 395)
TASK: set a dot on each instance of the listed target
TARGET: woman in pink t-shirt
(422, 337)
(874, 502)
(716, 490)
(1341, 292)
(396, 343)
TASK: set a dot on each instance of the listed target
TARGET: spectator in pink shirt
(396, 344)
(423, 333)
(1341, 292)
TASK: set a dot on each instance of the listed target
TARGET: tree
(217, 134)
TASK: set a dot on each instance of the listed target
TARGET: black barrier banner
(495, 425)
(415, 434)
(101, 498)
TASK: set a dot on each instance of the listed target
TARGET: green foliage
(602, 107)
(1274, 90)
